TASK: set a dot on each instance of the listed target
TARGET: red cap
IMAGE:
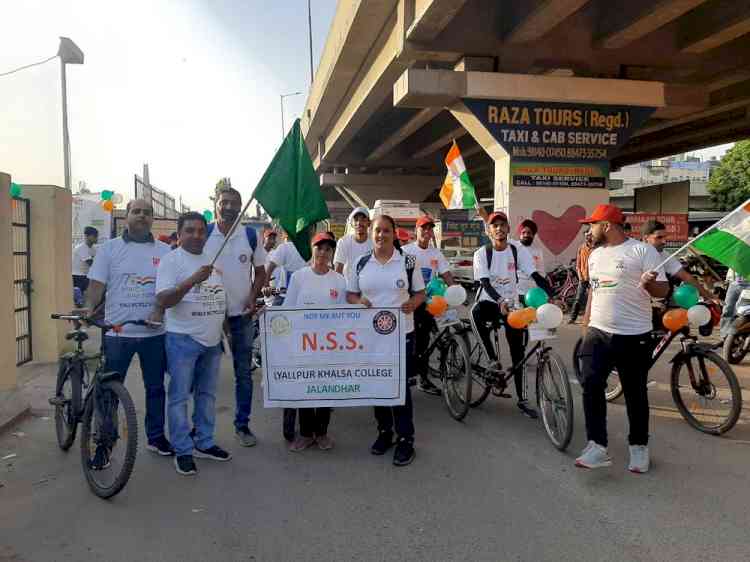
(402, 234)
(497, 215)
(609, 213)
(323, 237)
(425, 219)
(164, 238)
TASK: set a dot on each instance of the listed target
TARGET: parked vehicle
(737, 343)
(462, 265)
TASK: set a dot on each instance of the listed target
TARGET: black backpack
(411, 264)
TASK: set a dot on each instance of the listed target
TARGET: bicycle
(452, 362)
(95, 402)
(564, 282)
(553, 394)
(702, 387)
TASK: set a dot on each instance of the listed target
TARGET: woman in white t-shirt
(316, 286)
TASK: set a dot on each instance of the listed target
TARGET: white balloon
(117, 199)
(698, 315)
(455, 295)
(549, 316)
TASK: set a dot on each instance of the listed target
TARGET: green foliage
(730, 181)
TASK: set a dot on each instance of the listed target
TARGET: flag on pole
(729, 241)
(289, 191)
(457, 191)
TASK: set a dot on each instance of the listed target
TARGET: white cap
(359, 211)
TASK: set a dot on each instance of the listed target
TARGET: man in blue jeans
(241, 257)
(192, 294)
(125, 267)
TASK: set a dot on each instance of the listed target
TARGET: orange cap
(609, 213)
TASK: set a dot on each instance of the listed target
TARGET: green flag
(290, 191)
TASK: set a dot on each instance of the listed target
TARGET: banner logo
(384, 322)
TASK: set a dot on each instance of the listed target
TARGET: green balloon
(436, 287)
(686, 295)
(208, 215)
(536, 297)
(107, 194)
(15, 190)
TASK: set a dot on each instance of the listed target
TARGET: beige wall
(51, 255)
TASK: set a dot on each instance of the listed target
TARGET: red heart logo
(558, 232)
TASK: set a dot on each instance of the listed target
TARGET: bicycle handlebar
(103, 325)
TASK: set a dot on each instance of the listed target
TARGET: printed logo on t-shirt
(400, 284)
(243, 258)
(603, 283)
(620, 265)
(334, 294)
(155, 261)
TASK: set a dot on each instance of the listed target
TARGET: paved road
(491, 488)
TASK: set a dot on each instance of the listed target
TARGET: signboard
(676, 223)
(342, 356)
(558, 174)
(87, 211)
(535, 131)
(456, 228)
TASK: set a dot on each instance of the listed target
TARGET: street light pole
(309, 35)
(69, 53)
(281, 103)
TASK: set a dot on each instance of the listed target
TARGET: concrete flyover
(399, 80)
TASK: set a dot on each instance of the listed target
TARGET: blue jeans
(119, 352)
(242, 331)
(730, 303)
(192, 367)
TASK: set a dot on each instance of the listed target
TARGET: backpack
(488, 250)
(410, 266)
(252, 236)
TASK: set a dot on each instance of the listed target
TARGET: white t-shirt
(618, 303)
(279, 275)
(348, 250)
(81, 253)
(672, 267)
(128, 269)
(200, 313)
(428, 260)
(308, 288)
(385, 284)
(525, 282)
(287, 256)
(502, 274)
(235, 263)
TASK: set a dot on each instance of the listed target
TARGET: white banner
(88, 212)
(337, 357)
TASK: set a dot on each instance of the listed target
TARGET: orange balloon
(437, 306)
(675, 319)
(518, 319)
(529, 314)
(108, 205)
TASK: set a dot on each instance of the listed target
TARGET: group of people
(192, 297)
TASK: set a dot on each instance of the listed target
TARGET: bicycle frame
(433, 344)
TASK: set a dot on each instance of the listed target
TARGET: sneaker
(101, 458)
(404, 453)
(185, 465)
(382, 443)
(289, 424)
(245, 437)
(527, 410)
(324, 442)
(161, 446)
(639, 459)
(428, 387)
(301, 443)
(594, 456)
(215, 453)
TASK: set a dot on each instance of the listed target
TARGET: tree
(729, 184)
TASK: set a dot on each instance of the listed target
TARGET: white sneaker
(639, 459)
(594, 456)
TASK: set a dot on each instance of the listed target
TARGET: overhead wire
(27, 66)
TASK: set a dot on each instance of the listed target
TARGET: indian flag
(729, 240)
(457, 191)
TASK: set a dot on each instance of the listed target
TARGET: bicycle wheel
(614, 386)
(456, 375)
(109, 439)
(479, 390)
(554, 399)
(735, 348)
(713, 404)
(67, 402)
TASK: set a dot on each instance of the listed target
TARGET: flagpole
(702, 234)
(234, 227)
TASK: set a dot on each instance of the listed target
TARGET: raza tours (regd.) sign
(342, 356)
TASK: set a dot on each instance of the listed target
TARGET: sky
(190, 87)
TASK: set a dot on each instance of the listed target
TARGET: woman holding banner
(387, 278)
(316, 286)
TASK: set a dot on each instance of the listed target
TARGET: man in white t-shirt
(278, 279)
(496, 267)
(431, 263)
(83, 257)
(617, 327)
(242, 265)
(526, 233)
(125, 267)
(192, 293)
(284, 257)
(353, 246)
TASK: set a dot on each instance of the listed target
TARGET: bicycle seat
(77, 335)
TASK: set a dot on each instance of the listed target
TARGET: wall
(51, 256)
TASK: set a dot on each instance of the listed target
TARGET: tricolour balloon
(529, 314)
(675, 319)
(107, 205)
(549, 316)
(208, 215)
(686, 295)
(517, 319)
(436, 286)
(437, 305)
(455, 295)
(698, 315)
(536, 297)
(116, 198)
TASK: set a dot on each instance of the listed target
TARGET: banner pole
(234, 227)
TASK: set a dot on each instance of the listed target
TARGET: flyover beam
(711, 26)
(542, 19)
(431, 17)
